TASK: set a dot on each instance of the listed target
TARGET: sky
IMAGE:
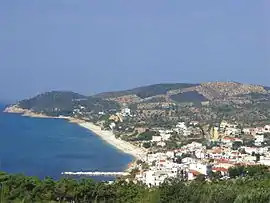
(91, 46)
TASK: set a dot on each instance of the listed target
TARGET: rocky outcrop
(222, 90)
(25, 112)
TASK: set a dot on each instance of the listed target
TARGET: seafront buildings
(195, 159)
(224, 148)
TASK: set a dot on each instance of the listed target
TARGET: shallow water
(46, 147)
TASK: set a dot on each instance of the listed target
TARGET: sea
(46, 147)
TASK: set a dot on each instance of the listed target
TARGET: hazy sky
(92, 46)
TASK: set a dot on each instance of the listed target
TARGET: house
(201, 168)
(205, 103)
(247, 131)
(250, 150)
(188, 160)
(223, 171)
(250, 131)
(156, 138)
(259, 130)
(232, 131)
(112, 125)
(265, 161)
(181, 125)
(170, 154)
(126, 112)
(224, 124)
(228, 141)
(165, 136)
(192, 174)
(200, 154)
(161, 144)
(194, 123)
(259, 139)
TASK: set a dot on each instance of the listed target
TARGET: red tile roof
(194, 172)
(221, 169)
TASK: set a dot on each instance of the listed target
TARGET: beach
(109, 137)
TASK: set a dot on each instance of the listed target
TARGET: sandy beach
(109, 137)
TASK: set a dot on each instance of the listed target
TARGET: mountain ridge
(206, 91)
(162, 103)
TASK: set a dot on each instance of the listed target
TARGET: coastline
(108, 136)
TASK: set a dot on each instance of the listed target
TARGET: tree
(236, 171)
(236, 145)
(147, 145)
(200, 177)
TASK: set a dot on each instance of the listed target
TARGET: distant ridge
(147, 91)
(65, 101)
(185, 92)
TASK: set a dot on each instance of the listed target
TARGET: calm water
(46, 147)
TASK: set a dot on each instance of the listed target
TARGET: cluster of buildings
(227, 129)
(194, 159)
(192, 129)
(181, 129)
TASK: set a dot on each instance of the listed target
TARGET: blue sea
(46, 147)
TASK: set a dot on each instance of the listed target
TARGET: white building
(232, 131)
(112, 125)
(200, 167)
(161, 144)
(165, 136)
(247, 131)
(170, 154)
(156, 138)
(126, 112)
(265, 161)
(259, 139)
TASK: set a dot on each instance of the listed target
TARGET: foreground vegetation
(254, 187)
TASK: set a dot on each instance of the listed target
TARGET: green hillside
(147, 91)
(57, 103)
(191, 96)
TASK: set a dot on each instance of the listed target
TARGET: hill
(207, 102)
(185, 92)
(64, 103)
(146, 91)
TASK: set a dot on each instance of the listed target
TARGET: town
(203, 154)
(173, 131)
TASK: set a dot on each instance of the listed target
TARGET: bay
(46, 147)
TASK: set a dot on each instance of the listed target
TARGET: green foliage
(250, 189)
(147, 91)
(240, 171)
(192, 96)
(236, 145)
(63, 103)
(147, 135)
(147, 145)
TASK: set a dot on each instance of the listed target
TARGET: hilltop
(185, 92)
(65, 103)
(207, 102)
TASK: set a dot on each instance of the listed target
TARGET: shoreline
(107, 136)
